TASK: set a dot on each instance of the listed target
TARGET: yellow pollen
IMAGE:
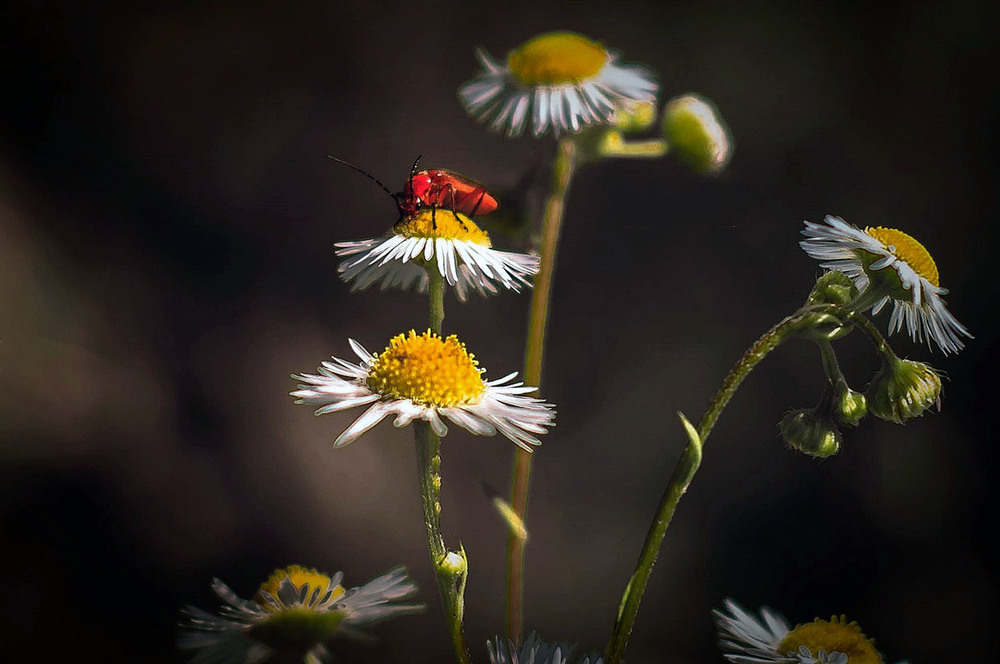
(299, 576)
(428, 370)
(905, 248)
(442, 223)
(834, 635)
(557, 58)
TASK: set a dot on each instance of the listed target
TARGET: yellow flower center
(557, 58)
(905, 248)
(299, 577)
(834, 635)
(442, 223)
(427, 369)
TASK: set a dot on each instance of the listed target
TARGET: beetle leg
(479, 202)
(454, 213)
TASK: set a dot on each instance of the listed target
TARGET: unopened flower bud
(810, 433)
(903, 389)
(833, 288)
(696, 133)
(453, 563)
(849, 406)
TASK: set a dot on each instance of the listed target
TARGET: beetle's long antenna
(413, 169)
(365, 173)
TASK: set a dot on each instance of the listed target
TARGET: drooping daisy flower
(558, 81)
(745, 639)
(533, 651)
(911, 284)
(425, 377)
(295, 612)
(441, 240)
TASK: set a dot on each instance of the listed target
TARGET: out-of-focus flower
(696, 134)
(911, 285)
(435, 239)
(296, 611)
(558, 81)
(425, 377)
(533, 651)
(747, 639)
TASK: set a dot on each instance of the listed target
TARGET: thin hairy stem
(562, 175)
(688, 465)
(450, 571)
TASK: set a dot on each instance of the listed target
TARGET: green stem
(435, 291)
(684, 472)
(449, 571)
(451, 581)
(562, 175)
(870, 331)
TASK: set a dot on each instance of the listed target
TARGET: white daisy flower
(440, 239)
(296, 611)
(746, 639)
(558, 81)
(911, 285)
(425, 377)
(533, 651)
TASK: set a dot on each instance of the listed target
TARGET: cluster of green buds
(899, 391)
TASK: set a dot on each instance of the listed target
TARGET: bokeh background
(167, 215)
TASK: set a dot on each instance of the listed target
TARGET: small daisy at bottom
(425, 377)
(534, 651)
(294, 613)
(747, 639)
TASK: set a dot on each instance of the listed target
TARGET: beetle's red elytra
(435, 188)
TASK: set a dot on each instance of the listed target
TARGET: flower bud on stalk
(833, 287)
(849, 406)
(810, 432)
(696, 133)
(903, 389)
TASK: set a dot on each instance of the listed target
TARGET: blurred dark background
(167, 215)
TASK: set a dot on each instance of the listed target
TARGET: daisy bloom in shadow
(534, 651)
(748, 639)
(435, 239)
(425, 377)
(888, 266)
(292, 616)
(558, 82)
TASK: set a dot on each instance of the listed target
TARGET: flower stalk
(687, 466)
(450, 569)
(562, 174)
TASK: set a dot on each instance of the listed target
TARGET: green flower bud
(833, 288)
(903, 389)
(810, 433)
(849, 406)
(696, 133)
(453, 564)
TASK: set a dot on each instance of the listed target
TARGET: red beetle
(436, 188)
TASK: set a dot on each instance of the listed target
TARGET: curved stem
(684, 472)
(562, 174)
(449, 572)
